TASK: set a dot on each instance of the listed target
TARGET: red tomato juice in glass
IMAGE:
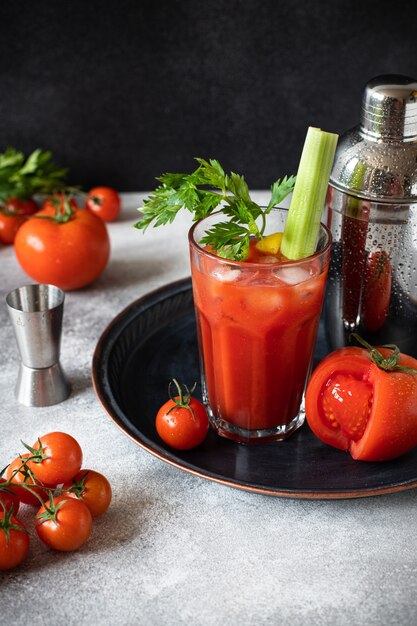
(257, 323)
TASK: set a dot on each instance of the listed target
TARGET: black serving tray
(154, 340)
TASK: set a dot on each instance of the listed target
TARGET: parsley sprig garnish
(23, 177)
(201, 192)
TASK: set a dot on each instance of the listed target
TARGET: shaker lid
(378, 159)
(389, 108)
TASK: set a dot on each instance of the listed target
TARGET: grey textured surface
(174, 548)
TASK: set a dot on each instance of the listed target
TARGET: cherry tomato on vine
(8, 498)
(376, 291)
(104, 202)
(14, 541)
(92, 488)
(182, 422)
(64, 524)
(67, 247)
(55, 458)
(365, 401)
(19, 473)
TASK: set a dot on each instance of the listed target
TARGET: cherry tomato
(68, 254)
(8, 498)
(9, 225)
(20, 475)
(92, 488)
(19, 206)
(353, 404)
(12, 216)
(104, 202)
(377, 290)
(71, 527)
(14, 541)
(182, 422)
(59, 458)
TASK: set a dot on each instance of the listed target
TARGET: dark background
(123, 91)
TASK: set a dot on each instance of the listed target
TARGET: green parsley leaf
(231, 240)
(238, 187)
(280, 190)
(201, 192)
(22, 178)
(211, 173)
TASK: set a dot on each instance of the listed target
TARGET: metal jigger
(36, 312)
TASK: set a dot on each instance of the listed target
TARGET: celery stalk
(303, 221)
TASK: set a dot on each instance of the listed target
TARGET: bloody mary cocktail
(257, 323)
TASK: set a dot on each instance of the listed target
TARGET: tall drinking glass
(257, 324)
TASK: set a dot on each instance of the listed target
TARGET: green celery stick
(303, 221)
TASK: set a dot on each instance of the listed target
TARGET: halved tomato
(370, 410)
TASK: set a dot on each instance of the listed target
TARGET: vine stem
(389, 363)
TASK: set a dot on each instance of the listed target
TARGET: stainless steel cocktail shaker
(372, 213)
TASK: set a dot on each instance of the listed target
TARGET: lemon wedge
(270, 244)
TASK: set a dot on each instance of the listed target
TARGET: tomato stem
(388, 364)
(38, 454)
(6, 524)
(78, 486)
(27, 473)
(51, 511)
(63, 209)
(3, 487)
(184, 396)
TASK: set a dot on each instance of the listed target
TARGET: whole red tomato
(354, 404)
(66, 525)
(8, 498)
(12, 216)
(20, 206)
(9, 225)
(377, 290)
(20, 474)
(14, 541)
(92, 488)
(182, 422)
(69, 250)
(104, 202)
(55, 458)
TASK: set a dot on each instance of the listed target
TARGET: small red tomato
(365, 401)
(8, 498)
(92, 488)
(55, 458)
(20, 474)
(67, 524)
(14, 541)
(376, 290)
(104, 202)
(18, 206)
(9, 225)
(12, 215)
(182, 422)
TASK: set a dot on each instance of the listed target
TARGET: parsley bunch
(22, 177)
(201, 192)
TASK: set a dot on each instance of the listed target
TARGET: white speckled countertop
(174, 548)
